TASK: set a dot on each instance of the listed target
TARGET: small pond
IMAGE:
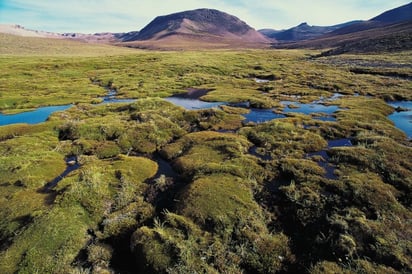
(403, 119)
(311, 108)
(31, 117)
(190, 100)
(192, 104)
(41, 114)
(260, 80)
(261, 115)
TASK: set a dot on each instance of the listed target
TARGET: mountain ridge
(302, 31)
(388, 31)
(200, 22)
(210, 28)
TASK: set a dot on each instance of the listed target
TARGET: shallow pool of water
(403, 119)
(312, 108)
(110, 100)
(31, 117)
(261, 115)
(192, 104)
(308, 108)
(328, 167)
(260, 80)
(164, 167)
(41, 114)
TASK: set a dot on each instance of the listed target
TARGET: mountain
(302, 32)
(394, 16)
(18, 30)
(389, 31)
(403, 13)
(201, 25)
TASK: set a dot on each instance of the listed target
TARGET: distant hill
(393, 16)
(389, 31)
(201, 25)
(302, 32)
(19, 30)
(400, 14)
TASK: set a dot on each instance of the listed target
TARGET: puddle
(324, 163)
(190, 100)
(402, 119)
(164, 167)
(192, 104)
(260, 80)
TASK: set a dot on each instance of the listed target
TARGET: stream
(71, 165)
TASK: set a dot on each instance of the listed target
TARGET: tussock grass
(229, 211)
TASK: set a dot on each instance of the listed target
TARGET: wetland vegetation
(237, 195)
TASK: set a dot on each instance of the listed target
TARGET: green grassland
(227, 210)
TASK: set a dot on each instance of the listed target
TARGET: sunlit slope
(34, 46)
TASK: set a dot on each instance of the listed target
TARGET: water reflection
(310, 108)
(192, 104)
(261, 115)
(402, 118)
(31, 117)
(260, 80)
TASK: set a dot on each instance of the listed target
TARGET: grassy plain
(226, 211)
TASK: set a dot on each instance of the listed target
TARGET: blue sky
(89, 16)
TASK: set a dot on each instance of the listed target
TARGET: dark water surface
(72, 164)
(329, 168)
